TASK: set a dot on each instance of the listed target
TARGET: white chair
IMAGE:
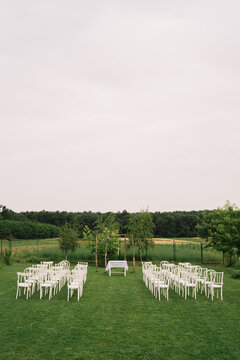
(75, 283)
(216, 284)
(49, 284)
(162, 286)
(190, 283)
(209, 279)
(23, 283)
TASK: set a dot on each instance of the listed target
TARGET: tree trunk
(125, 248)
(140, 253)
(96, 254)
(133, 252)
(106, 255)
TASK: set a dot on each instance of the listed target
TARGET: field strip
(157, 241)
(170, 241)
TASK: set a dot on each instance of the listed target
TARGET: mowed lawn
(117, 319)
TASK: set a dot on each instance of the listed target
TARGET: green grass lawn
(118, 318)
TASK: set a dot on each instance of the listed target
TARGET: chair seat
(73, 286)
(25, 284)
(190, 284)
(46, 284)
(215, 286)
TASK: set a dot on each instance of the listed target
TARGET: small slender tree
(125, 247)
(107, 242)
(133, 252)
(91, 236)
(141, 228)
(68, 239)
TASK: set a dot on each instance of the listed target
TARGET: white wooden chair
(49, 285)
(216, 284)
(75, 283)
(162, 286)
(209, 279)
(190, 283)
(23, 283)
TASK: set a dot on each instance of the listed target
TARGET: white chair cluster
(76, 279)
(45, 277)
(182, 278)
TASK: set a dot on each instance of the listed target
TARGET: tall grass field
(189, 250)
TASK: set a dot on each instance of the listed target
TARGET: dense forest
(167, 224)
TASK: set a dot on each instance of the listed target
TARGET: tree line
(166, 224)
(220, 228)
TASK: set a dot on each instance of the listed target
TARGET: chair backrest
(164, 262)
(219, 278)
(170, 267)
(65, 264)
(146, 264)
(22, 277)
(210, 275)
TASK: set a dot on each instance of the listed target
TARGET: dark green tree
(221, 228)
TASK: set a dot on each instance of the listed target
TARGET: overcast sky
(113, 105)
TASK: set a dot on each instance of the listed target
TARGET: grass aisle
(117, 318)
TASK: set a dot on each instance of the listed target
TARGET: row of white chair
(76, 279)
(44, 276)
(54, 278)
(47, 278)
(182, 278)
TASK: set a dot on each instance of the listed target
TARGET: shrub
(236, 274)
(27, 230)
(7, 256)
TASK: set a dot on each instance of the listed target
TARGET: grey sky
(112, 105)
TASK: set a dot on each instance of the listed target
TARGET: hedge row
(27, 230)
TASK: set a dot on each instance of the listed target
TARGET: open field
(184, 250)
(118, 318)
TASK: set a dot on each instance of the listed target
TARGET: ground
(118, 318)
